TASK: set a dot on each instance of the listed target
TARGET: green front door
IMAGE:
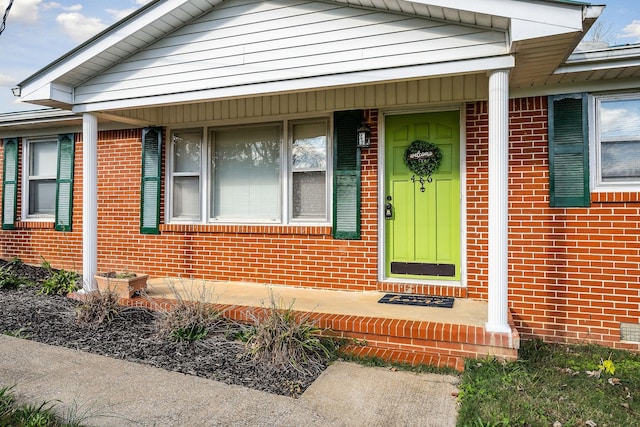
(422, 228)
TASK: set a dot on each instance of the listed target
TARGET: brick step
(423, 289)
(407, 341)
(409, 357)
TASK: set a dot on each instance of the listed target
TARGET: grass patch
(583, 385)
(28, 415)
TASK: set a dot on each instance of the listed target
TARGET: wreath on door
(423, 159)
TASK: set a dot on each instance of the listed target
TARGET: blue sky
(40, 31)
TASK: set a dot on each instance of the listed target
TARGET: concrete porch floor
(401, 333)
(350, 303)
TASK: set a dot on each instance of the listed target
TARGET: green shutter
(569, 151)
(10, 183)
(150, 191)
(346, 175)
(64, 182)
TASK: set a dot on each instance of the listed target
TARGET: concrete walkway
(113, 392)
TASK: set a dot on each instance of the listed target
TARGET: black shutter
(569, 151)
(10, 183)
(150, 189)
(64, 182)
(346, 175)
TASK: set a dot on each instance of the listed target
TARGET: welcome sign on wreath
(423, 159)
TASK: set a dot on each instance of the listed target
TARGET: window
(40, 188)
(246, 183)
(309, 170)
(264, 173)
(617, 141)
(186, 156)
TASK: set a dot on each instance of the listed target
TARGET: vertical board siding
(453, 89)
(242, 42)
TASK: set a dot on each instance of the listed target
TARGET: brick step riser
(442, 348)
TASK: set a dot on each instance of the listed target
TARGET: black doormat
(419, 300)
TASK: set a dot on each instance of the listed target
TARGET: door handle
(388, 211)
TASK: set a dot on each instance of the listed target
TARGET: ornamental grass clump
(284, 338)
(190, 318)
(99, 307)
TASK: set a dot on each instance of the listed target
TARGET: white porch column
(498, 200)
(89, 200)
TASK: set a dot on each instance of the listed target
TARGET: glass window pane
(186, 197)
(42, 197)
(43, 161)
(620, 119)
(309, 147)
(309, 195)
(186, 152)
(620, 161)
(246, 181)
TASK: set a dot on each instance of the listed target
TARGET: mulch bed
(133, 337)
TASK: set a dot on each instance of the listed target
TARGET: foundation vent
(630, 332)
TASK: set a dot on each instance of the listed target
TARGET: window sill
(615, 197)
(317, 230)
(35, 225)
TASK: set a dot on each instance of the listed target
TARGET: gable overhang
(615, 68)
(307, 84)
(539, 34)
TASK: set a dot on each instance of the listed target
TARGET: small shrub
(9, 280)
(60, 282)
(98, 307)
(282, 338)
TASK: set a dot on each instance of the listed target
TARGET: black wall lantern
(364, 136)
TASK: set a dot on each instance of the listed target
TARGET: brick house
(220, 140)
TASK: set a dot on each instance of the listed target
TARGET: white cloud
(78, 26)
(618, 122)
(631, 30)
(25, 11)
(142, 2)
(51, 5)
(7, 81)
(118, 14)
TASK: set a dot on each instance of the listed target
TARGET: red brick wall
(285, 255)
(573, 273)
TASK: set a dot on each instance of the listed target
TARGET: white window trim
(597, 186)
(285, 184)
(26, 152)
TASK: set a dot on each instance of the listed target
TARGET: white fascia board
(47, 92)
(318, 82)
(602, 59)
(522, 29)
(551, 13)
(100, 43)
